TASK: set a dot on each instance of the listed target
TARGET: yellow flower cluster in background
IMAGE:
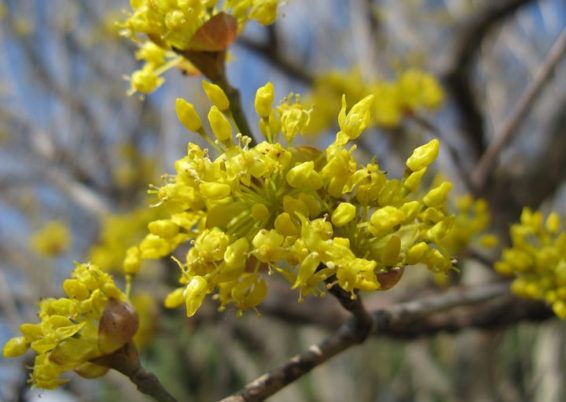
(166, 27)
(68, 335)
(317, 217)
(119, 232)
(51, 240)
(537, 259)
(472, 219)
(413, 91)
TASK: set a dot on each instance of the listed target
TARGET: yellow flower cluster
(170, 26)
(537, 259)
(313, 216)
(472, 218)
(413, 91)
(69, 335)
(51, 240)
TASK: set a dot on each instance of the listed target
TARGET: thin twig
(509, 128)
(362, 320)
(348, 335)
(236, 108)
(126, 361)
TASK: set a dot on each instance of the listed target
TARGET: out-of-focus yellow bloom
(537, 260)
(471, 220)
(413, 91)
(76, 329)
(51, 240)
(148, 313)
(118, 233)
(305, 213)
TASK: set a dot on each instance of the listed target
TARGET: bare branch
(400, 319)
(458, 75)
(509, 128)
(74, 185)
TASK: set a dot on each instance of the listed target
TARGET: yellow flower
(51, 240)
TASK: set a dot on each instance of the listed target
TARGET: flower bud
(284, 225)
(307, 269)
(195, 292)
(437, 196)
(553, 223)
(187, 115)
(75, 289)
(343, 214)
(304, 176)
(220, 125)
(358, 118)
(413, 181)
(215, 191)
(132, 261)
(264, 100)
(163, 228)
(216, 95)
(423, 155)
(235, 254)
(15, 347)
(175, 298)
(386, 218)
(118, 325)
(391, 251)
(417, 253)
